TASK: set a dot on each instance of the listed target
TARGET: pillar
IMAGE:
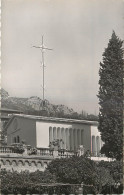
(98, 144)
(71, 139)
(75, 138)
(54, 133)
(93, 145)
(62, 137)
(78, 138)
(58, 133)
(67, 139)
(50, 134)
(82, 142)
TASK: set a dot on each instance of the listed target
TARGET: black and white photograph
(61, 112)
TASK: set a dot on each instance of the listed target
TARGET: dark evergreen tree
(111, 98)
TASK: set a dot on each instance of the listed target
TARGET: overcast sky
(77, 30)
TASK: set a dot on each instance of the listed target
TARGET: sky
(78, 31)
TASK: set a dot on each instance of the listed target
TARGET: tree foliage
(64, 176)
(111, 98)
(73, 170)
(76, 170)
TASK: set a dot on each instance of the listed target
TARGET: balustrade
(97, 154)
(6, 149)
(65, 153)
(49, 152)
(45, 151)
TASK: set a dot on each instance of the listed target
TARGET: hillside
(33, 106)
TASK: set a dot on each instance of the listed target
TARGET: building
(5, 115)
(40, 131)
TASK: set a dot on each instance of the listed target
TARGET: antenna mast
(42, 48)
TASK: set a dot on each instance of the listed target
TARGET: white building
(39, 131)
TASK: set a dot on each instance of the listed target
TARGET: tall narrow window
(18, 139)
(14, 140)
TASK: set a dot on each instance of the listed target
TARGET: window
(18, 139)
(14, 140)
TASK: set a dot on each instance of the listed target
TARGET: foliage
(80, 169)
(33, 151)
(18, 148)
(115, 168)
(24, 182)
(71, 170)
(111, 98)
(55, 144)
(64, 176)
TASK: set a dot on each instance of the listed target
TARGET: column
(62, 135)
(78, 138)
(71, 139)
(75, 139)
(93, 145)
(54, 133)
(96, 151)
(82, 137)
(58, 133)
(98, 144)
(67, 139)
(50, 134)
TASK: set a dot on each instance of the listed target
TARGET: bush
(18, 148)
(97, 178)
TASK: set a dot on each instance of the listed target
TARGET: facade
(40, 131)
(4, 118)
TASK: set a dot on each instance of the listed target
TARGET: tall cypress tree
(111, 98)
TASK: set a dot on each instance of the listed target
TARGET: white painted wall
(96, 146)
(42, 132)
(94, 131)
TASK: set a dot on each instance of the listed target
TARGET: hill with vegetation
(34, 106)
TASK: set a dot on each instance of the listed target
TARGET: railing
(65, 153)
(50, 152)
(45, 151)
(97, 154)
(6, 149)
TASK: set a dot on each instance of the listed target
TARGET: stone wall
(21, 163)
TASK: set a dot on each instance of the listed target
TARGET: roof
(51, 119)
(10, 110)
(4, 117)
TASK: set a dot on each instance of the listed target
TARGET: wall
(24, 128)
(96, 142)
(42, 132)
(36, 133)
(22, 163)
